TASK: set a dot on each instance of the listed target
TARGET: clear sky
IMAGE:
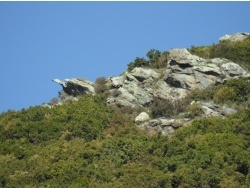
(40, 41)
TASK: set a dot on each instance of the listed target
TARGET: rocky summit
(184, 73)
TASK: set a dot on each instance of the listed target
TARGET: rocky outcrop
(235, 37)
(184, 73)
(76, 86)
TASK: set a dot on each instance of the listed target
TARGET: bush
(240, 86)
(193, 110)
(100, 85)
(139, 62)
(198, 94)
(224, 94)
(166, 107)
(202, 51)
(156, 59)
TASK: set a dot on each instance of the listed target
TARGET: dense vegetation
(86, 143)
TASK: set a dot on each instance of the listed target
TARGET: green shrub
(167, 108)
(240, 86)
(139, 62)
(224, 94)
(199, 95)
(156, 59)
(162, 108)
(202, 51)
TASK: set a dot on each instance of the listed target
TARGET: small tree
(139, 62)
(153, 55)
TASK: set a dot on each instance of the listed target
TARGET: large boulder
(233, 69)
(184, 57)
(142, 74)
(143, 116)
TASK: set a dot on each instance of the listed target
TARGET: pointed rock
(76, 86)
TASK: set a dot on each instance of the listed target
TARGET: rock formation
(76, 86)
(184, 73)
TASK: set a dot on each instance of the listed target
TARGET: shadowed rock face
(76, 86)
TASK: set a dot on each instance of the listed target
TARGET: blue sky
(40, 41)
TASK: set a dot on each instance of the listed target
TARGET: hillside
(176, 119)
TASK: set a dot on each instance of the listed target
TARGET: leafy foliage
(224, 94)
(88, 144)
(139, 62)
(156, 59)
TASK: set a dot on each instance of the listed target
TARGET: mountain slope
(84, 142)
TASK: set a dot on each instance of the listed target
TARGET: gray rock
(235, 37)
(233, 69)
(163, 126)
(204, 80)
(211, 69)
(184, 57)
(76, 86)
(228, 111)
(219, 61)
(63, 84)
(165, 91)
(116, 82)
(123, 99)
(209, 112)
(45, 105)
(142, 74)
(142, 117)
(167, 131)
